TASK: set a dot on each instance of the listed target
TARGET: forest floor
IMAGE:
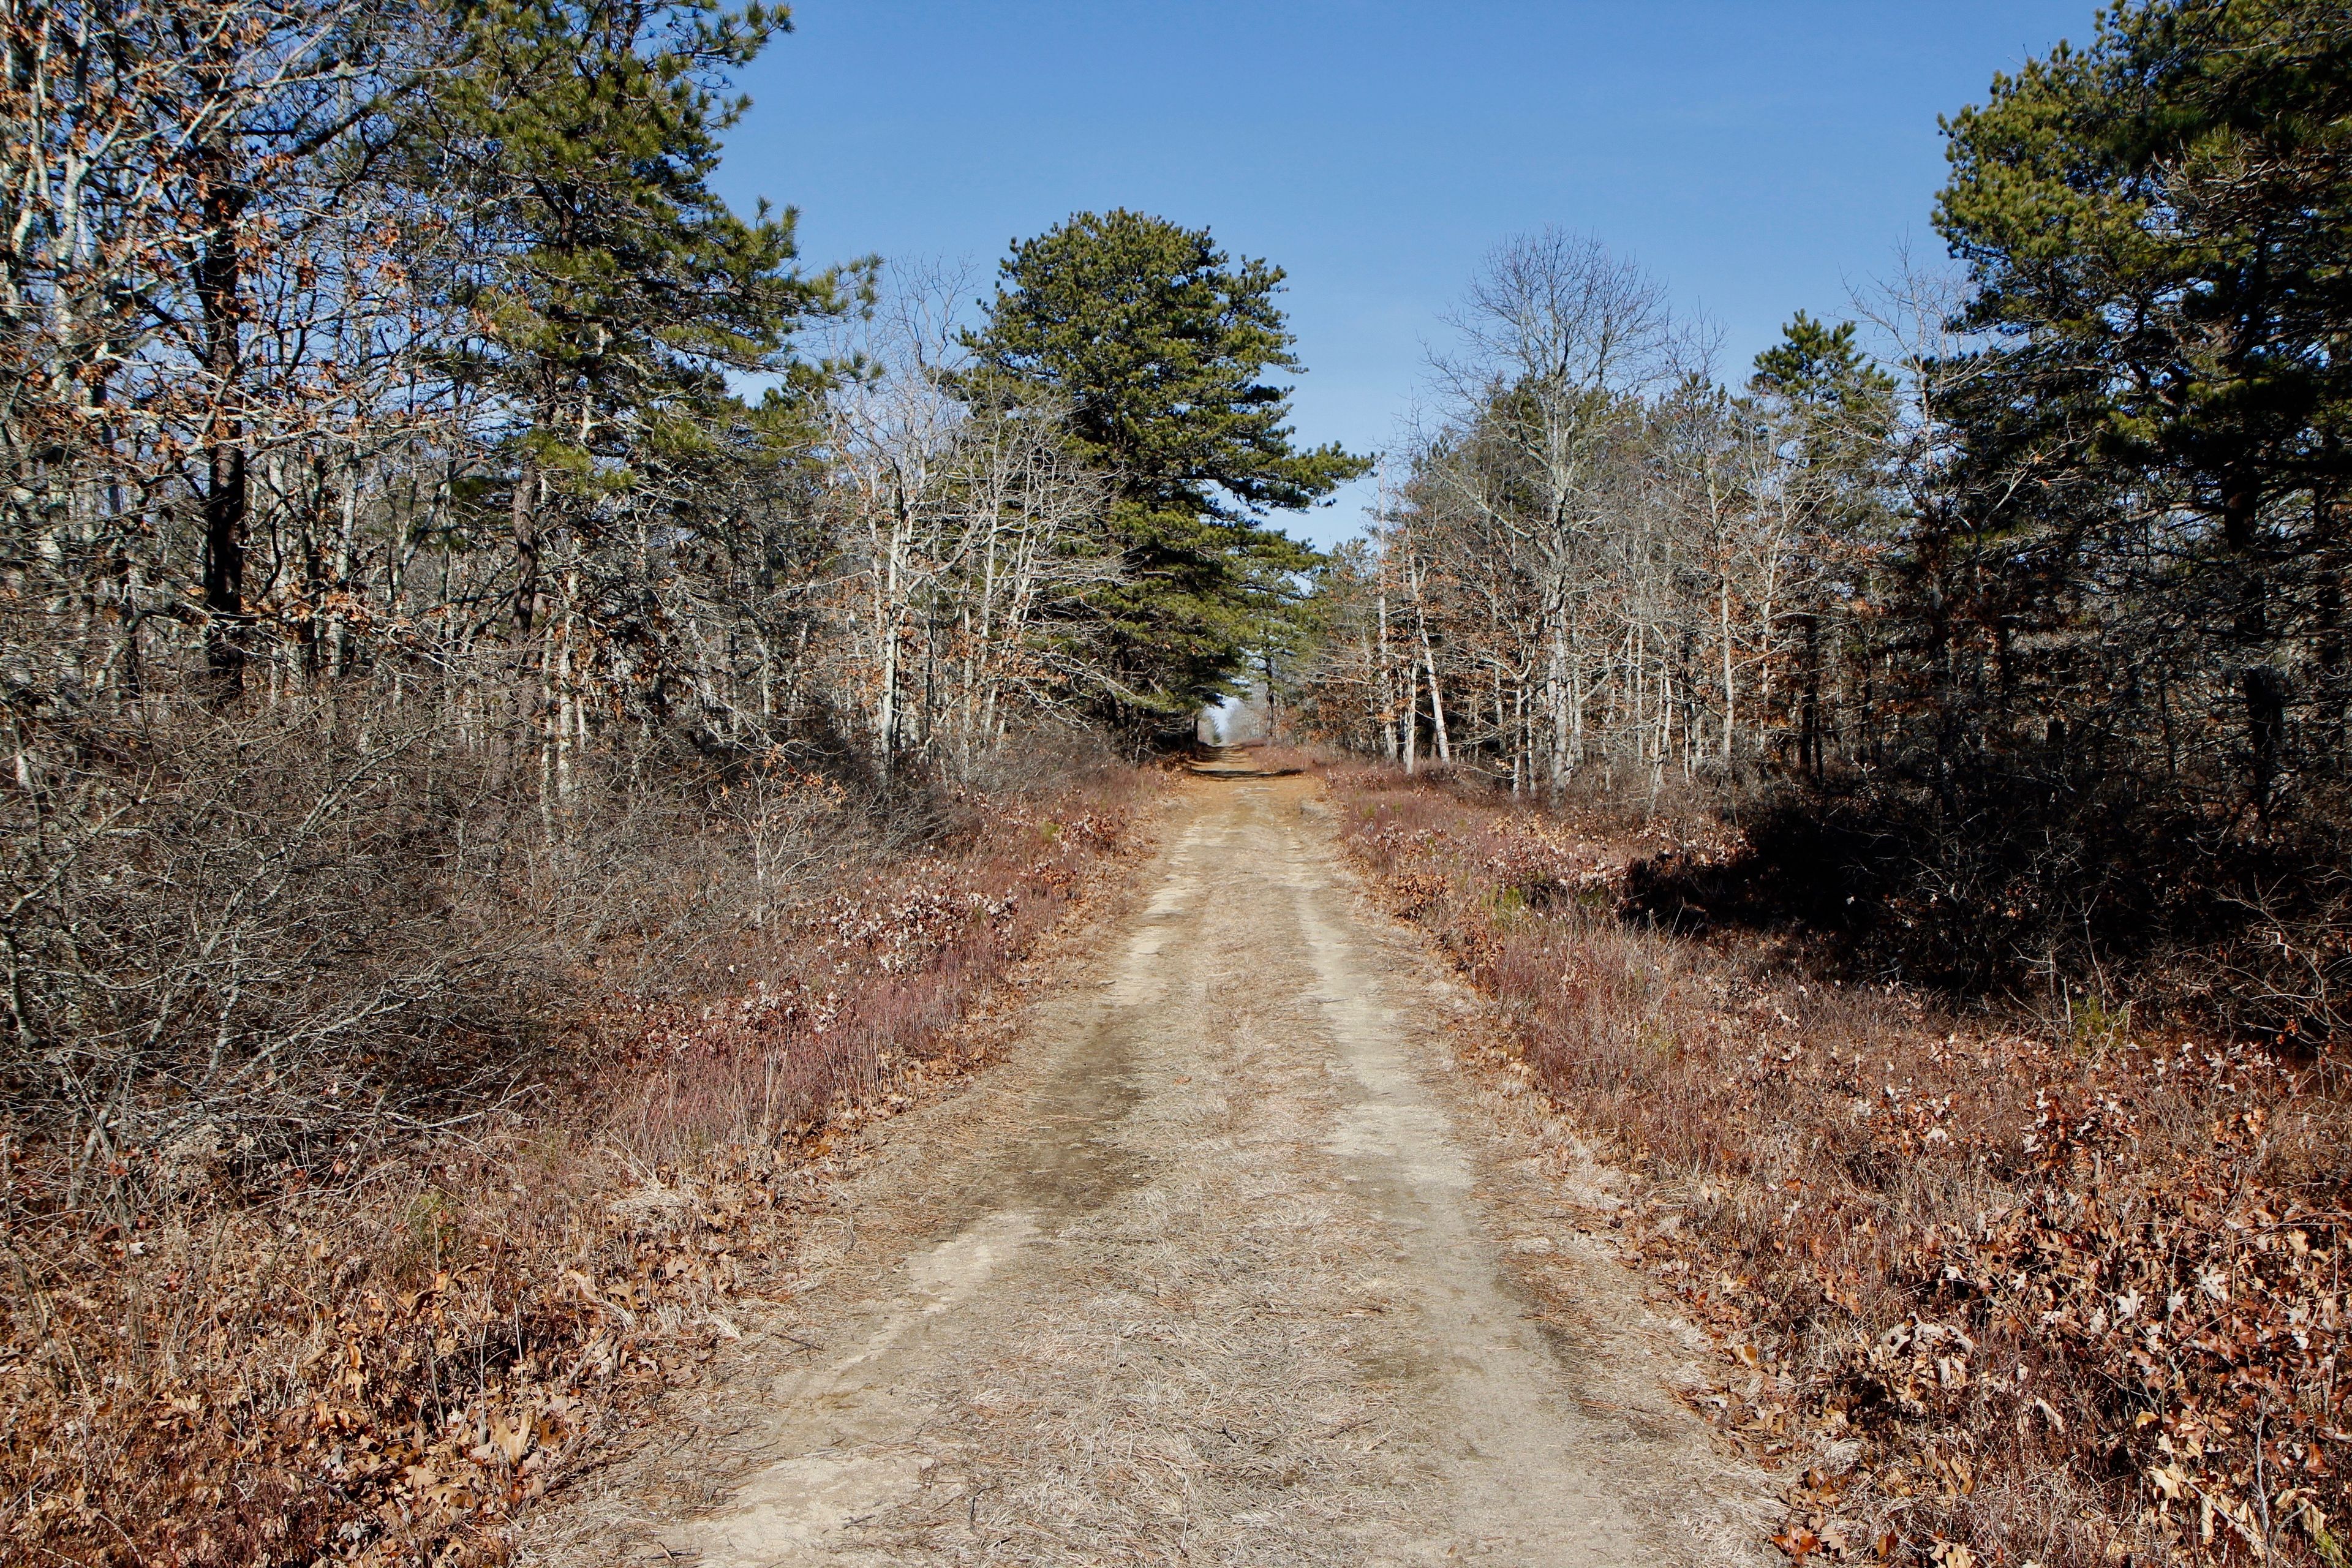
(1249, 1252)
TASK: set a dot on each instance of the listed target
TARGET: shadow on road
(1235, 763)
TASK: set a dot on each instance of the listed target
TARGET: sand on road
(1232, 1262)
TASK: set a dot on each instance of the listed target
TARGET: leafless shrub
(241, 939)
(370, 1335)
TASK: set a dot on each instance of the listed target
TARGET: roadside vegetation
(1998, 1289)
(370, 1317)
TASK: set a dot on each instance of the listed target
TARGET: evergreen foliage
(1159, 344)
(612, 290)
(2159, 228)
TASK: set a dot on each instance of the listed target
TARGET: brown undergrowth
(1990, 1292)
(382, 1357)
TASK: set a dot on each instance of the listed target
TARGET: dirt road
(1232, 1263)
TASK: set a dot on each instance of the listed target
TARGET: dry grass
(1994, 1293)
(1159, 1409)
(379, 1349)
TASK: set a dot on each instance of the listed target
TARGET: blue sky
(1758, 157)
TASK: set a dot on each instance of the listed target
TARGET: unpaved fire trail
(1229, 1263)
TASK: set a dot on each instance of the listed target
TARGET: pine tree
(2159, 225)
(614, 290)
(1159, 344)
(1829, 409)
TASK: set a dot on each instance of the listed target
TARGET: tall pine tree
(613, 290)
(2159, 225)
(1160, 345)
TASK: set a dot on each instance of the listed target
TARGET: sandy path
(1231, 1263)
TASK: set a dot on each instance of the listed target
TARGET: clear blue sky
(1757, 155)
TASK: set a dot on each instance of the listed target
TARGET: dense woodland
(429, 505)
(385, 447)
(2009, 615)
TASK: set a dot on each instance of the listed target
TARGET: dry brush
(1990, 1288)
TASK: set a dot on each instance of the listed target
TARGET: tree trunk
(1429, 663)
(220, 294)
(522, 520)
